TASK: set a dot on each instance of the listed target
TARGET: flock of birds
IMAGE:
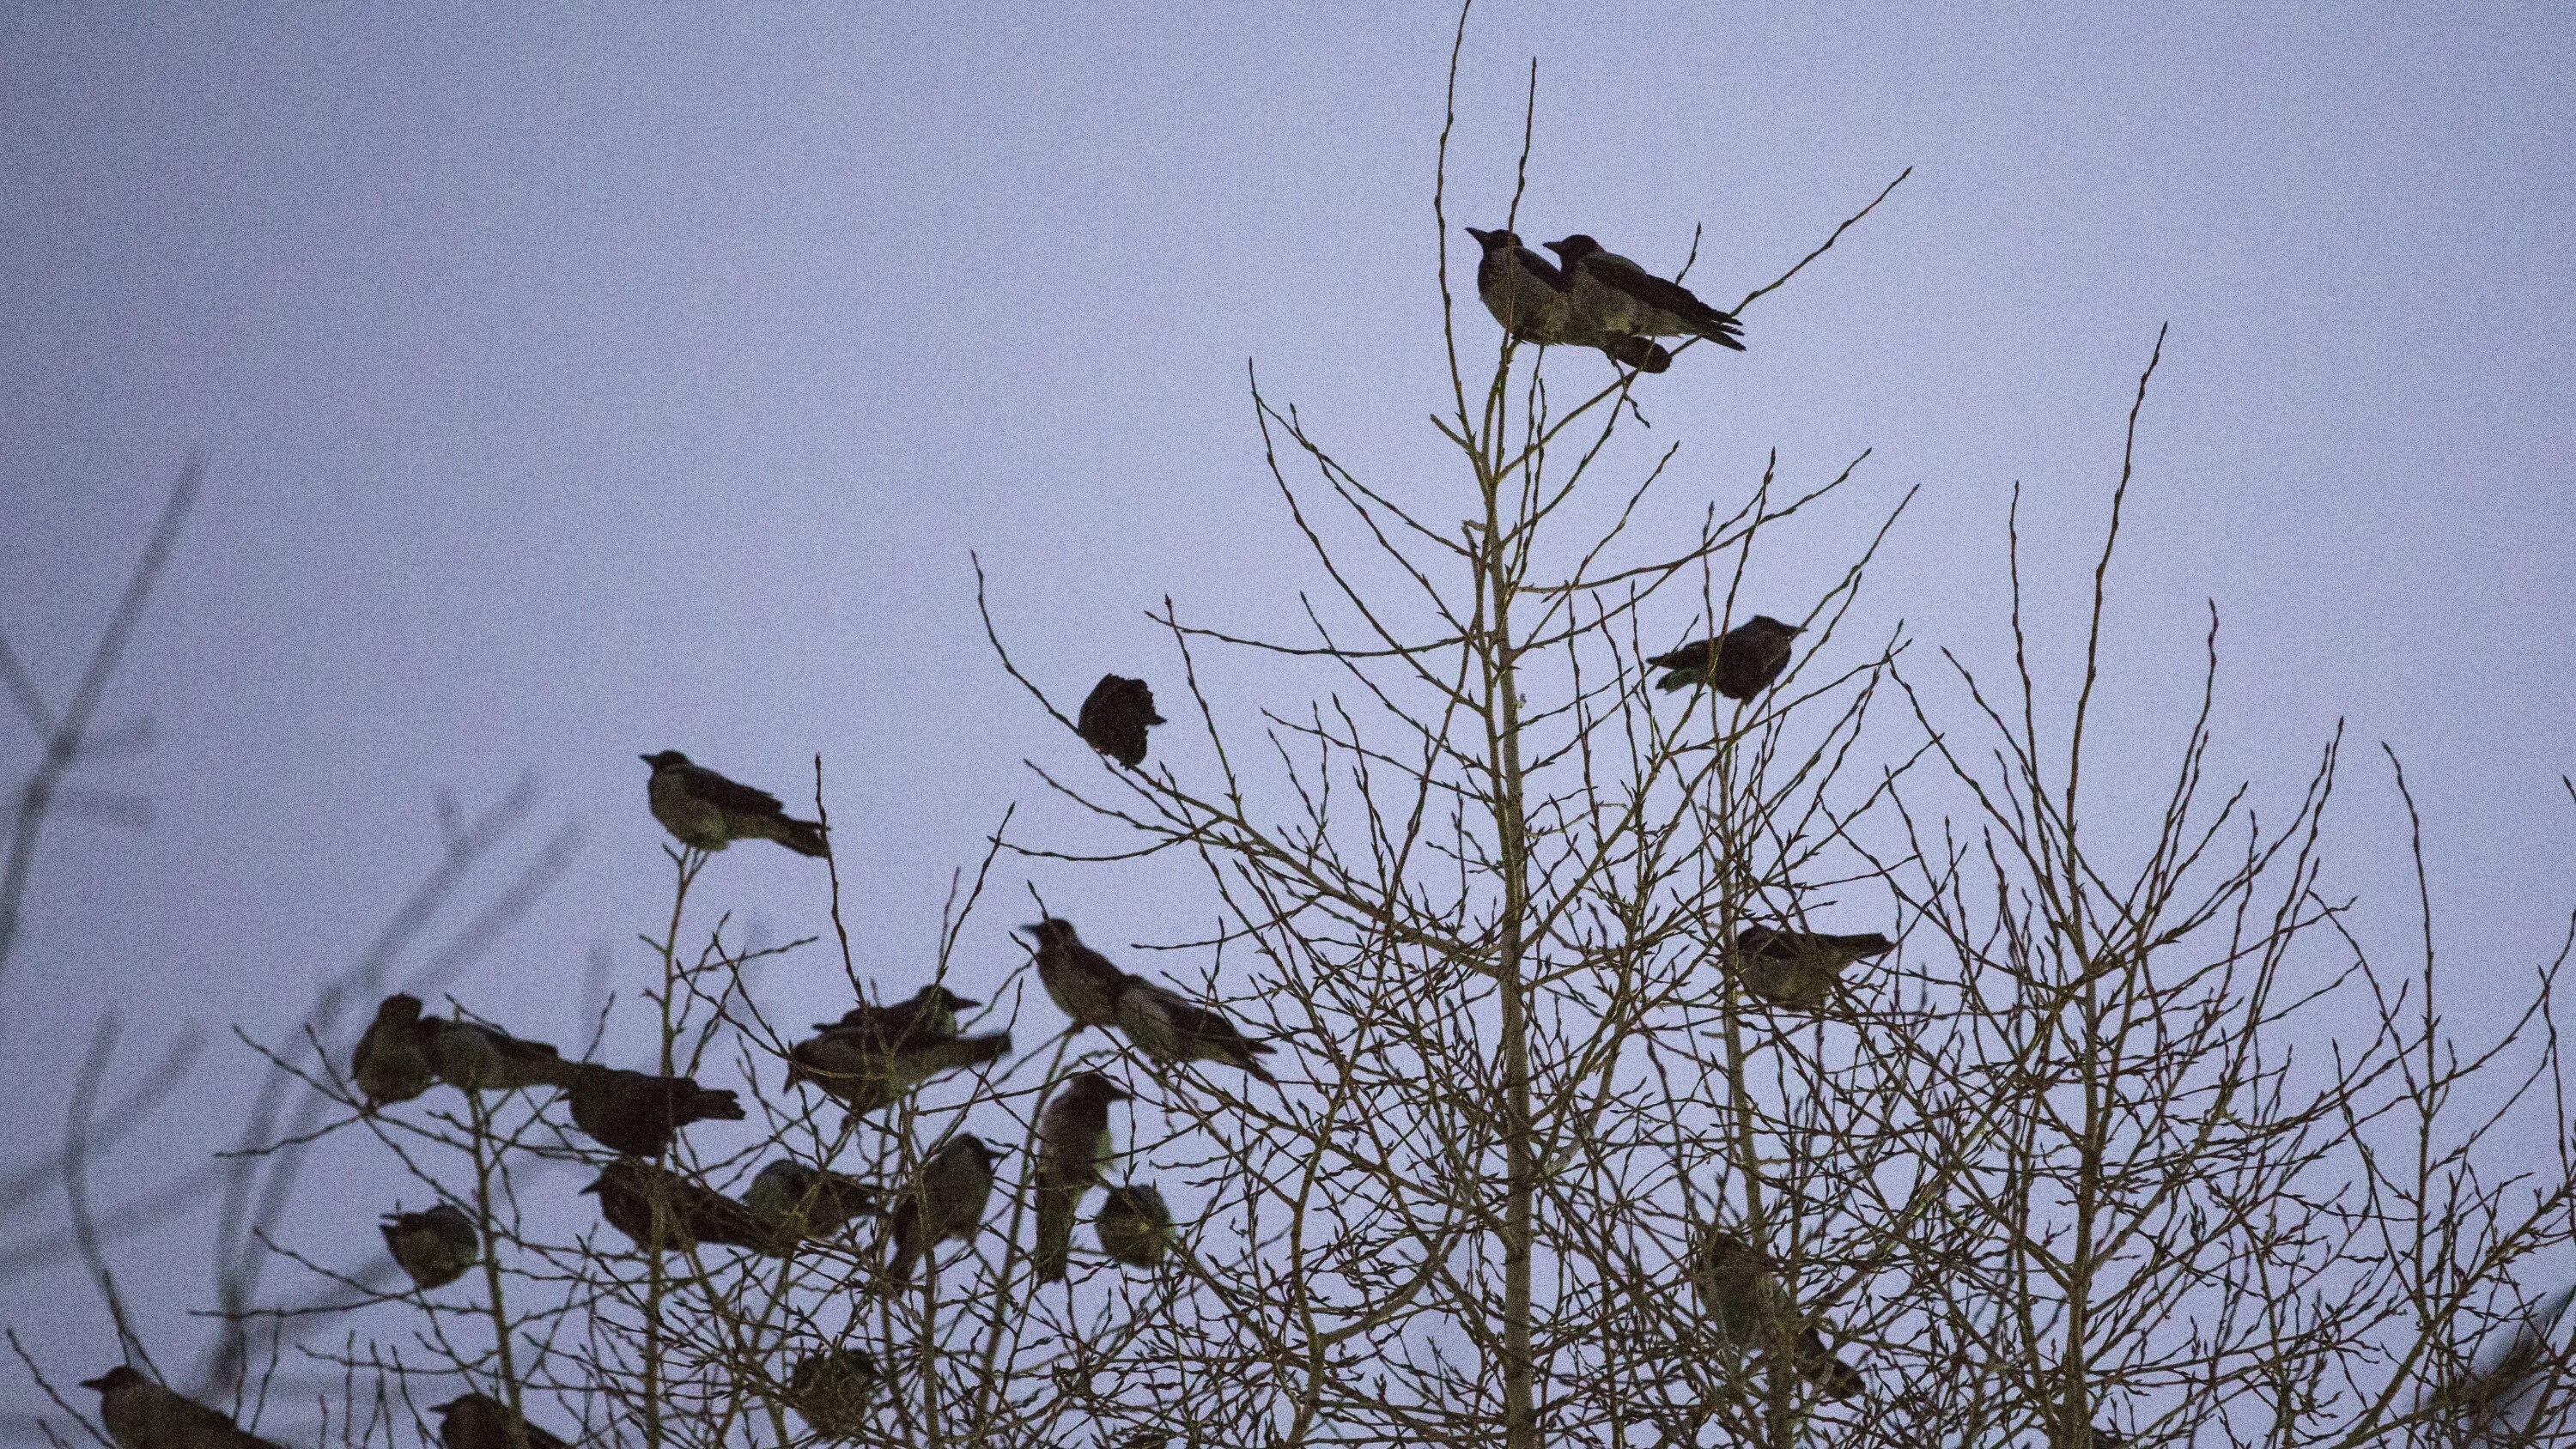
(874, 1056)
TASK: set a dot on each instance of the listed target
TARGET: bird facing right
(1739, 665)
(1116, 715)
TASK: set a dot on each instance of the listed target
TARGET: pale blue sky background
(602, 380)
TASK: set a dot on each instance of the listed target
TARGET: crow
(1798, 969)
(639, 1114)
(1532, 300)
(1614, 294)
(1074, 1143)
(706, 811)
(435, 1247)
(1134, 1226)
(1740, 665)
(946, 1200)
(1751, 1311)
(141, 1414)
(391, 1061)
(1115, 717)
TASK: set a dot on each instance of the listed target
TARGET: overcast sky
(581, 382)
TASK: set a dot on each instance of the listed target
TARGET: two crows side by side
(1597, 299)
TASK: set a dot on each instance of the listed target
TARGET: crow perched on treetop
(709, 812)
(1532, 300)
(808, 1202)
(472, 1057)
(1740, 665)
(1074, 1143)
(1612, 293)
(1115, 716)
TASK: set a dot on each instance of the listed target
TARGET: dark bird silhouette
(808, 1203)
(480, 1421)
(946, 1200)
(639, 1114)
(1740, 665)
(391, 1062)
(1751, 1311)
(929, 1014)
(1535, 303)
(434, 1248)
(472, 1057)
(1610, 292)
(1074, 1144)
(876, 1055)
(1134, 1226)
(658, 1210)
(1115, 716)
(141, 1414)
(831, 1390)
(706, 811)
(1799, 969)
(1080, 981)
(1171, 1028)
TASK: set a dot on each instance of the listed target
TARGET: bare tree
(1808, 1062)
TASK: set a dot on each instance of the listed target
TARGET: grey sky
(585, 382)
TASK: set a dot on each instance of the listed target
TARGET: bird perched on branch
(1739, 665)
(1749, 1309)
(640, 1114)
(875, 1055)
(1115, 716)
(946, 1200)
(929, 1014)
(808, 1203)
(1172, 1029)
(1533, 301)
(1081, 982)
(706, 811)
(391, 1061)
(480, 1421)
(1074, 1144)
(831, 1390)
(1614, 294)
(1799, 969)
(658, 1209)
(141, 1414)
(472, 1057)
(1162, 1023)
(1133, 1225)
(435, 1247)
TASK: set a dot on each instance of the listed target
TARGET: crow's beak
(957, 1001)
(648, 759)
(99, 1383)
